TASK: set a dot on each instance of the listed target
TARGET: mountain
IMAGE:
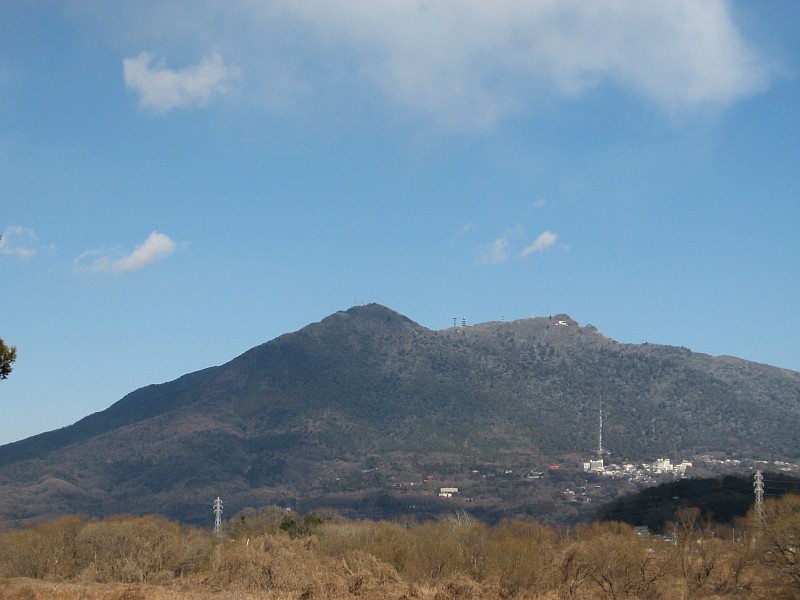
(350, 411)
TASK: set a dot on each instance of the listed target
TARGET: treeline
(274, 553)
(724, 498)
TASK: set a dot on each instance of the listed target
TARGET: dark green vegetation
(350, 411)
(722, 500)
(8, 354)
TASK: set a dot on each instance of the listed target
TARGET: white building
(662, 465)
(594, 466)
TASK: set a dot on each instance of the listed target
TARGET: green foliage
(252, 522)
(8, 354)
(297, 527)
(724, 499)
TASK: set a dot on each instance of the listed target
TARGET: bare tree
(779, 540)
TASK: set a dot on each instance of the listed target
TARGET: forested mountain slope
(367, 399)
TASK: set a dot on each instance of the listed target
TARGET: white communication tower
(600, 450)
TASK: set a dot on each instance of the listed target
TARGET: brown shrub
(519, 556)
(279, 564)
(451, 559)
(131, 550)
(47, 550)
(387, 542)
(609, 560)
(252, 522)
(459, 588)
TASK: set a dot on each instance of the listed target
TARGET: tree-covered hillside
(367, 401)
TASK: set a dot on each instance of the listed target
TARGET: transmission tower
(218, 518)
(758, 484)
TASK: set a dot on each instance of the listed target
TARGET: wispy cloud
(467, 64)
(162, 89)
(21, 243)
(154, 248)
(499, 251)
(545, 240)
(473, 63)
(465, 230)
(540, 203)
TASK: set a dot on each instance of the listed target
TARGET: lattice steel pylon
(758, 485)
(218, 518)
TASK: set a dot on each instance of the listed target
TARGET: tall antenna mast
(600, 450)
(600, 435)
(218, 518)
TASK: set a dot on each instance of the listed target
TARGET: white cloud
(154, 248)
(162, 89)
(475, 62)
(465, 64)
(498, 252)
(545, 240)
(465, 230)
(21, 243)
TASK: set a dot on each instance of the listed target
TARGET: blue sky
(182, 181)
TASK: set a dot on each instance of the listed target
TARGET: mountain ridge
(367, 397)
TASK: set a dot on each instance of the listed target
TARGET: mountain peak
(370, 314)
(367, 398)
(373, 310)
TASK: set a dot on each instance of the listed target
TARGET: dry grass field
(272, 554)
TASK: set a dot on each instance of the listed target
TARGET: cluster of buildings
(662, 466)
